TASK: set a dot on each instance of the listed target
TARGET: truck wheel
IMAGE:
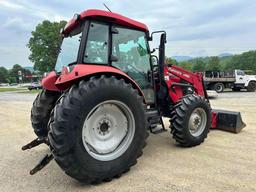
(98, 129)
(219, 87)
(41, 109)
(190, 121)
(252, 86)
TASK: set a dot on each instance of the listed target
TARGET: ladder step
(158, 130)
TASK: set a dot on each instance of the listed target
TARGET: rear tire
(219, 87)
(87, 113)
(252, 86)
(190, 121)
(41, 109)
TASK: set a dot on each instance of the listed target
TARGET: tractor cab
(107, 39)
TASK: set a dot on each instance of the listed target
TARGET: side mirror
(150, 38)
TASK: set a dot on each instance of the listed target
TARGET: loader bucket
(227, 120)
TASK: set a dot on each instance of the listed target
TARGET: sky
(194, 27)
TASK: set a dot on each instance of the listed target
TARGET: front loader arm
(177, 78)
(194, 79)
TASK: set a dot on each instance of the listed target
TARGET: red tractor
(107, 92)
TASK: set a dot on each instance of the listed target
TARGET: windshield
(68, 52)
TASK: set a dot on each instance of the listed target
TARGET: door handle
(241, 78)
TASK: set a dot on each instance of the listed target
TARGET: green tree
(199, 65)
(44, 45)
(245, 61)
(169, 60)
(214, 63)
(14, 73)
(3, 75)
(185, 65)
(15, 70)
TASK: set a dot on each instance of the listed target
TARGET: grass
(10, 89)
(30, 92)
(19, 90)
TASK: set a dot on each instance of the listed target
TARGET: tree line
(245, 61)
(16, 74)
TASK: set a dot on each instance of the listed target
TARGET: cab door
(240, 77)
(130, 53)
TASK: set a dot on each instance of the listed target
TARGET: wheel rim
(108, 130)
(219, 88)
(197, 122)
(253, 86)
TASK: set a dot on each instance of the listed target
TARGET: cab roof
(105, 15)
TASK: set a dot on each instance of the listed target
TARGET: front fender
(248, 81)
(48, 82)
(68, 77)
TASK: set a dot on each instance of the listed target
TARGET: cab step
(155, 119)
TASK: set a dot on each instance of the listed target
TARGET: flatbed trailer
(236, 80)
(223, 79)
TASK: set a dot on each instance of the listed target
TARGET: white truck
(236, 80)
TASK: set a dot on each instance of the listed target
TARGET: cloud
(18, 24)
(194, 28)
(13, 55)
(10, 5)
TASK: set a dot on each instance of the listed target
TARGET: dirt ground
(224, 162)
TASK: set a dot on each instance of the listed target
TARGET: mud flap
(227, 120)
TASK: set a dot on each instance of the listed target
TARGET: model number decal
(180, 73)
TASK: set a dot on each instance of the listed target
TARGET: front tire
(98, 129)
(190, 121)
(251, 86)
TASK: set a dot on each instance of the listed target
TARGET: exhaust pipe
(230, 121)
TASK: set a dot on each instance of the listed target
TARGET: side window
(96, 50)
(130, 48)
(240, 73)
(132, 56)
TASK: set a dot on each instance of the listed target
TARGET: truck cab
(244, 81)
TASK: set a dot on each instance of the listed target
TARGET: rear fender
(81, 71)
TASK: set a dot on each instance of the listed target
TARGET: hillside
(226, 61)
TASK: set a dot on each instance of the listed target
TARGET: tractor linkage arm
(45, 160)
(192, 79)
